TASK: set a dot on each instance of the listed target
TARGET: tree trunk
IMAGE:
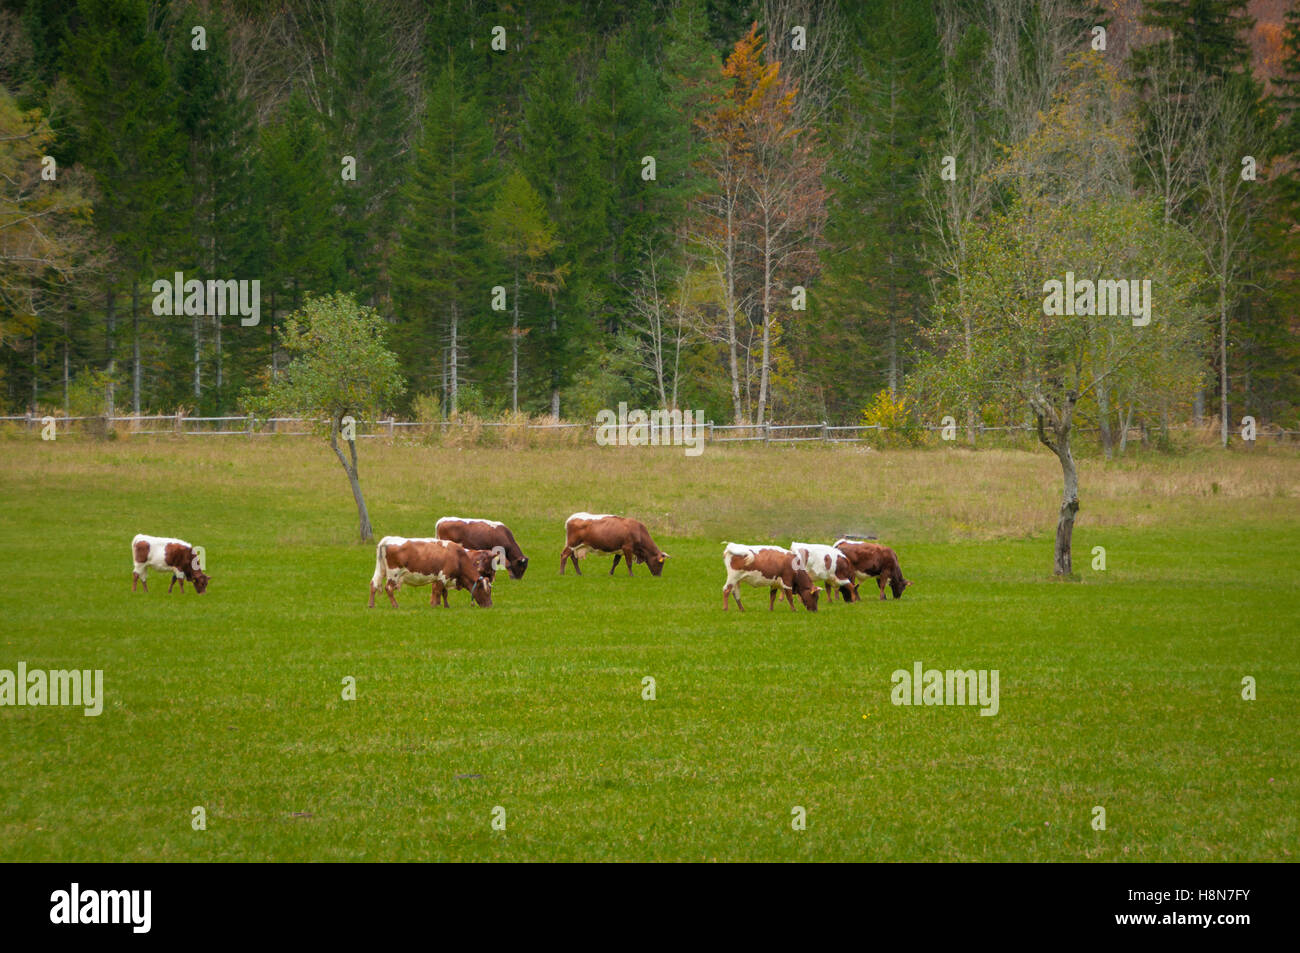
(1064, 565)
(730, 304)
(767, 325)
(351, 470)
(1223, 362)
(514, 350)
(198, 359)
(220, 375)
(110, 326)
(1103, 421)
(135, 347)
(67, 364)
(453, 385)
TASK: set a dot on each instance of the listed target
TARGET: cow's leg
(390, 587)
(789, 596)
(771, 600)
(830, 593)
(172, 585)
(735, 594)
(726, 591)
(884, 579)
(617, 557)
(372, 595)
(627, 558)
(569, 554)
(137, 578)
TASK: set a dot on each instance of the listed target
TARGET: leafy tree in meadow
(1075, 211)
(340, 369)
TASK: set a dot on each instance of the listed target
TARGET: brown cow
(435, 562)
(875, 559)
(770, 566)
(485, 534)
(623, 536)
(172, 556)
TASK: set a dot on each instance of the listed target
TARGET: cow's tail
(739, 549)
(381, 565)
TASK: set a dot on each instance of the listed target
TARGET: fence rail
(714, 433)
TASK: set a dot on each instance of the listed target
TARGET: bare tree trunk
(1103, 421)
(110, 326)
(67, 365)
(351, 470)
(1058, 441)
(220, 366)
(1063, 565)
(453, 384)
(730, 264)
(514, 350)
(198, 357)
(135, 347)
(767, 321)
(1223, 361)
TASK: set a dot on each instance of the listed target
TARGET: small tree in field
(1074, 212)
(339, 369)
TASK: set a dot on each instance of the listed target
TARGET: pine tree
(219, 126)
(365, 118)
(438, 269)
(560, 159)
(883, 133)
(134, 148)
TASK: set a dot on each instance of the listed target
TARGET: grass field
(1121, 691)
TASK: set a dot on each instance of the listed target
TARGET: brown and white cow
(827, 564)
(435, 562)
(623, 536)
(768, 567)
(485, 534)
(165, 554)
(875, 559)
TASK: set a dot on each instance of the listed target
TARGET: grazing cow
(164, 554)
(771, 567)
(623, 536)
(485, 534)
(827, 564)
(874, 559)
(436, 562)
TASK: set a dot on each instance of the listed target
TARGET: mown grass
(1122, 691)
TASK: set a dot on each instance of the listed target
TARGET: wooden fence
(714, 433)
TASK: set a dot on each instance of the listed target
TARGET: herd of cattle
(465, 554)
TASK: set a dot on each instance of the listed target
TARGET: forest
(770, 210)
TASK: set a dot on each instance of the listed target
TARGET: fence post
(767, 431)
(390, 426)
(825, 435)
